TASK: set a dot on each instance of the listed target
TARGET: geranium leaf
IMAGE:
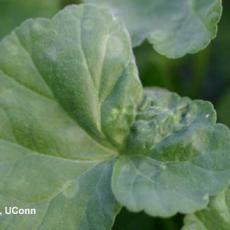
(176, 156)
(64, 116)
(215, 216)
(175, 28)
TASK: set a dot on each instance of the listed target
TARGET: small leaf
(175, 159)
(215, 216)
(175, 28)
(68, 95)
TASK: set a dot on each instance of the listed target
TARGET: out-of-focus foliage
(174, 28)
(221, 66)
(13, 12)
(205, 75)
(224, 108)
(136, 221)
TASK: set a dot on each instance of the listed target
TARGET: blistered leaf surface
(176, 156)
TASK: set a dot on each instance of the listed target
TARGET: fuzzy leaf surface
(63, 86)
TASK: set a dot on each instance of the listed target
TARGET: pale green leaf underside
(215, 216)
(175, 28)
(177, 157)
(68, 94)
(13, 12)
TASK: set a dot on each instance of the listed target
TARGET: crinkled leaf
(215, 216)
(175, 28)
(13, 12)
(63, 111)
(176, 156)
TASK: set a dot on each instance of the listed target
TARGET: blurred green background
(205, 75)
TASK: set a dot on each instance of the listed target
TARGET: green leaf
(67, 194)
(215, 216)
(174, 28)
(64, 116)
(175, 159)
(13, 12)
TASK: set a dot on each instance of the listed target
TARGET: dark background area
(205, 75)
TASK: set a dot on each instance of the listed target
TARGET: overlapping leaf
(215, 216)
(175, 28)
